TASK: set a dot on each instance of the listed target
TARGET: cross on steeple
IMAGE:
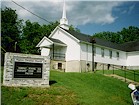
(64, 20)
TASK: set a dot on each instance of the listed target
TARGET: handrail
(57, 56)
(125, 70)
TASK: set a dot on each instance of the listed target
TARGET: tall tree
(127, 34)
(110, 36)
(10, 29)
(33, 32)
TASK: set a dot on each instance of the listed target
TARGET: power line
(31, 12)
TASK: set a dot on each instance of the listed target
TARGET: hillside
(71, 89)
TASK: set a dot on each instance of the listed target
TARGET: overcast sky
(89, 16)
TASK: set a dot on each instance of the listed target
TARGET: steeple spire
(64, 20)
(64, 10)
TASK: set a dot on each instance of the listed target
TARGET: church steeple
(64, 20)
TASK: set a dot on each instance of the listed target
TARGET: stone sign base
(26, 70)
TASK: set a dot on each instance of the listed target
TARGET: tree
(71, 27)
(30, 37)
(10, 29)
(33, 32)
(127, 34)
(110, 36)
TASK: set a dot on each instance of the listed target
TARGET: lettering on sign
(27, 70)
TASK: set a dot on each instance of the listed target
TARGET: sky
(88, 16)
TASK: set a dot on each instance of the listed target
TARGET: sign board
(26, 70)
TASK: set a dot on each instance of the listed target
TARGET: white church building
(71, 51)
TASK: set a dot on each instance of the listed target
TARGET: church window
(110, 54)
(117, 55)
(102, 52)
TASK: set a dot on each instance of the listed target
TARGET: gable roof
(79, 36)
(58, 42)
(62, 29)
(49, 41)
(128, 47)
(45, 41)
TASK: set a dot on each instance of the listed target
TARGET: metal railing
(57, 56)
(134, 74)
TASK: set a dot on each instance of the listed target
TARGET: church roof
(131, 46)
(57, 41)
(128, 47)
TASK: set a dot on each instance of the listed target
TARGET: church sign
(26, 70)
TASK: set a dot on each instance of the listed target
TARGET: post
(113, 69)
(15, 46)
(92, 57)
(93, 41)
(134, 75)
(125, 75)
(53, 51)
(103, 68)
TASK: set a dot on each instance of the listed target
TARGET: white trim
(43, 39)
(77, 40)
(52, 33)
(60, 44)
(58, 27)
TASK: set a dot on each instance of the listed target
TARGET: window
(59, 65)
(102, 52)
(110, 53)
(117, 55)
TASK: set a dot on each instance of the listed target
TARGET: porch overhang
(49, 42)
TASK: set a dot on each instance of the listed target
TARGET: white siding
(73, 47)
(133, 58)
(45, 52)
(106, 59)
(46, 43)
(86, 54)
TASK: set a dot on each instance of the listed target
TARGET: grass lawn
(71, 89)
(129, 74)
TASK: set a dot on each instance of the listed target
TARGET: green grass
(129, 74)
(71, 89)
(1, 73)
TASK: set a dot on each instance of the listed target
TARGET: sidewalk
(122, 79)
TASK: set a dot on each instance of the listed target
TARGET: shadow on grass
(51, 82)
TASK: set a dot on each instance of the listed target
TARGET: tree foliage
(27, 36)
(10, 29)
(127, 34)
(33, 32)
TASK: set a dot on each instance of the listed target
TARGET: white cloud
(92, 12)
(78, 12)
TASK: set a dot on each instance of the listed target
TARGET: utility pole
(93, 42)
